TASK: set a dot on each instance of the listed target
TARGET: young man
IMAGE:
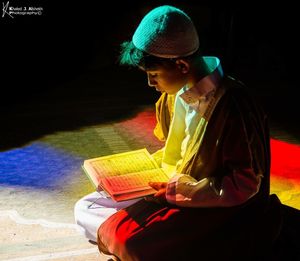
(216, 150)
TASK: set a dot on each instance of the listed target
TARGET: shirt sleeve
(241, 165)
(172, 152)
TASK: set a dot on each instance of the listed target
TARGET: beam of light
(54, 162)
(37, 165)
(285, 172)
(285, 160)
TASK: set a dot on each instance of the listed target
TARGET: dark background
(255, 43)
(61, 68)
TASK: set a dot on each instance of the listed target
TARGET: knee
(81, 212)
(82, 220)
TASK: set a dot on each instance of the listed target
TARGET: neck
(199, 70)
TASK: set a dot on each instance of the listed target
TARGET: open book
(125, 175)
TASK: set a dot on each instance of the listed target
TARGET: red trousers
(150, 231)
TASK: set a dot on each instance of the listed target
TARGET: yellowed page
(125, 173)
(134, 181)
(122, 163)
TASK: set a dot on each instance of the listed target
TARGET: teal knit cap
(166, 32)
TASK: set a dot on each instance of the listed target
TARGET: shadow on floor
(92, 98)
(287, 245)
(110, 94)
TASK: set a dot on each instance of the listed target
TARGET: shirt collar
(201, 90)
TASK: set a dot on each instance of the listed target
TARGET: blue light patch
(37, 165)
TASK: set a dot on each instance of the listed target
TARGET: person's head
(166, 46)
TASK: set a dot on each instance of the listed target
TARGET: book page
(122, 163)
(125, 175)
(134, 181)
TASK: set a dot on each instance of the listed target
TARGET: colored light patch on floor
(285, 172)
(52, 164)
(37, 165)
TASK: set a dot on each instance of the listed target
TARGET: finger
(159, 193)
(158, 185)
(154, 185)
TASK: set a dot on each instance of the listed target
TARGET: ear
(183, 65)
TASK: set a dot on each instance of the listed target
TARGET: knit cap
(166, 32)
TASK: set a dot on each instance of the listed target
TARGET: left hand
(160, 195)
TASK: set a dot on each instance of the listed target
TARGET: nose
(151, 81)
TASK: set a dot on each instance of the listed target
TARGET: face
(169, 79)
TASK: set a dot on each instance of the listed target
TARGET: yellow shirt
(190, 105)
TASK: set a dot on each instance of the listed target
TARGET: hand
(160, 195)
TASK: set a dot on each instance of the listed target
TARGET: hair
(132, 56)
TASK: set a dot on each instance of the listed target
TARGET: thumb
(158, 185)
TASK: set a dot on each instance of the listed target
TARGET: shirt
(184, 190)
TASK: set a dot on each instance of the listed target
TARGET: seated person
(216, 147)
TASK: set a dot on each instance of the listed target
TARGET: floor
(46, 137)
